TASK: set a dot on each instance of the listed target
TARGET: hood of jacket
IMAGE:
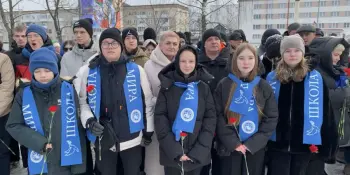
(169, 75)
(158, 57)
(139, 54)
(322, 48)
(80, 51)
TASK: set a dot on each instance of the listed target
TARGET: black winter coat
(34, 140)
(289, 132)
(113, 104)
(216, 67)
(228, 139)
(197, 145)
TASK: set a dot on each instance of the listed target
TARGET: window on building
(322, 3)
(256, 36)
(257, 16)
(346, 25)
(270, 6)
(256, 26)
(348, 2)
(308, 4)
(347, 13)
(282, 15)
(257, 6)
(269, 16)
(282, 5)
(334, 13)
(322, 14)
(268, 26)
(334, 25)
(320, 25)
(336, 3)
(291, 15)
(165, 28)
(305, 15)
(291, 5)
(281, 26)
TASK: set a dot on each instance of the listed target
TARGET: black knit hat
(293, 26)
(149, 33)
(272, 46)
(209, 33)
(130, 31)
(244, 38)
(268, 33)
(236, 36)
(86, 24)
(182, 35)
(112, 33)
(319, 32)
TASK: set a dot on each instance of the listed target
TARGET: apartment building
(258, 15)
(160, 17)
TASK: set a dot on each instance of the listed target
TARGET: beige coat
(7, 84)
(152, 67)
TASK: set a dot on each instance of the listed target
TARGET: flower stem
(244, 155)
(48, 142)
(183, 153)
(7, 146)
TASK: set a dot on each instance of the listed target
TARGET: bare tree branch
(190, 5)
(218, 8)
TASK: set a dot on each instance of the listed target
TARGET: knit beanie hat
(209, 33)
(293, 26)
(130, 31)
(112, 33)
(293, 41)
(43, 58)
(235, 36)
(86, 24)
(268, 33)
(149, 33)
(272, 46)
(37, 29)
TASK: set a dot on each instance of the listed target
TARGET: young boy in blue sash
(45, 119)
(306, 130)
(115, 99)
(185, 116)
(247, 115)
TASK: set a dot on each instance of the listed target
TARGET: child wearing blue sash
(330, 51)
(185, 116)
(116, 103)
(45, 119)
(306, 129)
(247, 115)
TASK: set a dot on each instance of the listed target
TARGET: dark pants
(214, 165)
(4, 152)
(89, 161)
(15, 148)
(287, 163)
(347, 155)
(316, 165)
(177, 171)
(235, 164)
(130, 158)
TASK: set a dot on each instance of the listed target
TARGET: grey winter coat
(34, 140)
(73, 60)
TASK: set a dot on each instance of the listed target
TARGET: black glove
(95, 127)
(147, 138)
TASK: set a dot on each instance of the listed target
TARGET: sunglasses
(67, 49)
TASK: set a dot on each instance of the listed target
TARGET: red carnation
(232, 120)
(313, 149)
(53, 108)
(183, 134)
(90, 88)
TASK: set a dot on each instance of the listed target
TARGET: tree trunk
(203, 16)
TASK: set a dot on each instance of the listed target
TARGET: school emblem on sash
(136, 116)
(36, 157)
(187, 114)
(248, 127)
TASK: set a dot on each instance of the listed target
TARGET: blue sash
(70, 140)
(313, 106)
(132, 92)
(94, 97)
(187, 113)
(244, 103)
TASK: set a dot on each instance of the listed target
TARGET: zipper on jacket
(290, 115)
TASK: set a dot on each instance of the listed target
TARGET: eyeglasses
(33, 36)
(114, 45)
(67, 49)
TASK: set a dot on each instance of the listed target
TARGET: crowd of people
(169, 107)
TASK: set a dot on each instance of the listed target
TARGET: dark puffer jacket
(216, 67)
(228, 139)
(197, 145)
(331, 75)
(34, 140)
(289, 131)
(324, 46)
